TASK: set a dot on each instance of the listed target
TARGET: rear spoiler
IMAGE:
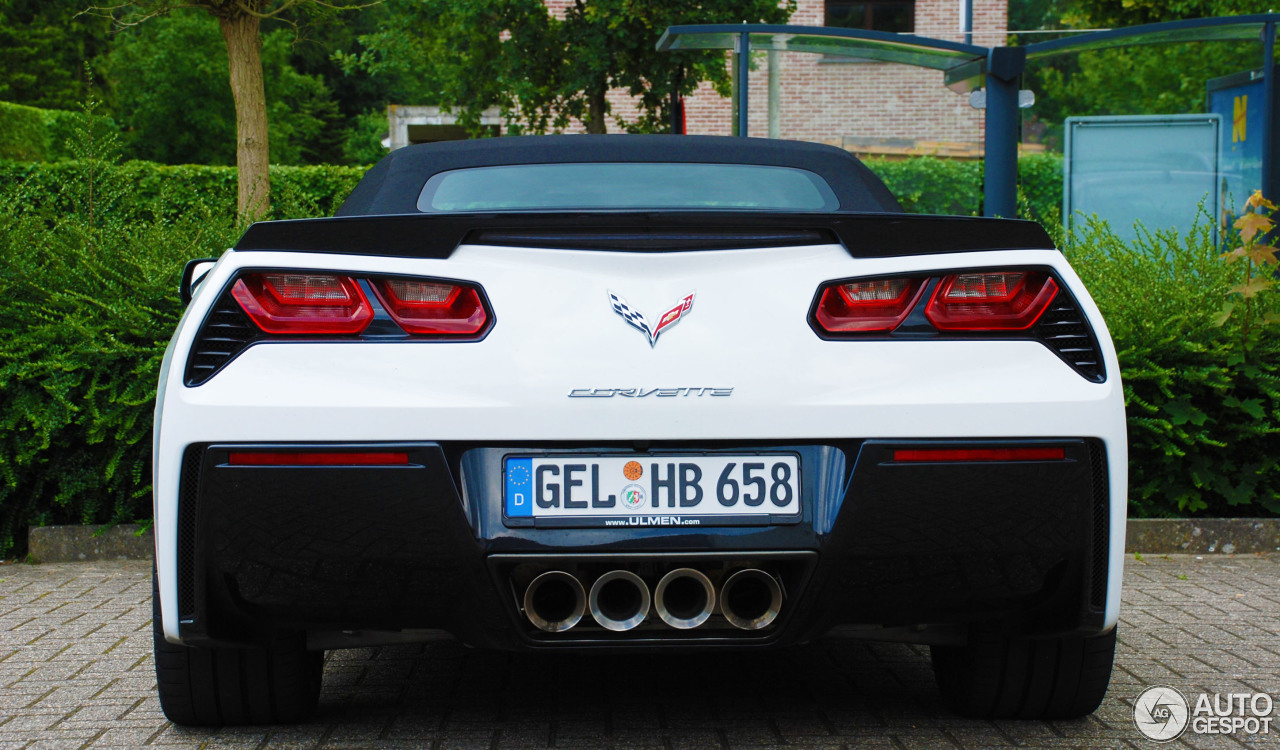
(865, 235)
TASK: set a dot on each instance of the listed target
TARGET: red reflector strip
(980, 454)
(317, 459)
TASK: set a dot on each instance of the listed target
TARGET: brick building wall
(865, 106)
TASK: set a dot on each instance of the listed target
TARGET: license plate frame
(595, 489)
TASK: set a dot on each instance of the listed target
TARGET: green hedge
(90, 256)
(158, 191)
(931, 185)
(922, 184)
(31, 134)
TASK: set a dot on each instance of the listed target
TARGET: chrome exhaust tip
(750, 599)
(619, 600)
(555, 601)
(684, 598)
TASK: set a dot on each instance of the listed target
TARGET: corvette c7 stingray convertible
(636, 392)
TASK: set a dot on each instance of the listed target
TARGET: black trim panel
(920, 546)
(865, 235)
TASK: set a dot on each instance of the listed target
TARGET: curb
(1202, 536)
(48, 544)
(1150, 536)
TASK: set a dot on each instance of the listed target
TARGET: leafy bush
(1202, 393)
(90, 257)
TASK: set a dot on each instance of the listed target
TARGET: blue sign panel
(1239, 99)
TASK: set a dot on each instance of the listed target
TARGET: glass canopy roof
(1225, 28)
(868, 45)
(964, 65)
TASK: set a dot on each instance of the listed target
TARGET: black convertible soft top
(381, 215)
(393, 185)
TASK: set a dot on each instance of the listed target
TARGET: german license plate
(667, 490)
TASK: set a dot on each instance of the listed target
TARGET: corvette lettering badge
(637, 319)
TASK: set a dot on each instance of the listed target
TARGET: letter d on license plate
(633, 491)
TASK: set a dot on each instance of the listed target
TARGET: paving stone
(76, 671)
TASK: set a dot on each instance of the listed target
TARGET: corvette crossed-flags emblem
(638, 320)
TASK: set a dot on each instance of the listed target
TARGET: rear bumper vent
(188, 492)
(1101, 533)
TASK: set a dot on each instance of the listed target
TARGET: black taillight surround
(1062, 327)
(227, 331)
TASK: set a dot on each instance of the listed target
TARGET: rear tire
(1051, 678)
(206, 687)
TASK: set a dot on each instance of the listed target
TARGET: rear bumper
(909, 551)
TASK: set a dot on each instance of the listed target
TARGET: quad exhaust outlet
(684, 598)
(750, 599)
(555, 601)
(619, 600)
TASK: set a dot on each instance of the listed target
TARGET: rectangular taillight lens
(303, 303)
(1005, 300)
(867, 306)
(996, 300)
(428, 307)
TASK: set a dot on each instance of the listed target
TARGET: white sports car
(636, 392)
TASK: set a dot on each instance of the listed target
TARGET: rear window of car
(625, 186)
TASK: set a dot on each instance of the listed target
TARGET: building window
(898, 16)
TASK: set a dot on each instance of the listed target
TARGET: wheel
(1051, 678)
(277, 684)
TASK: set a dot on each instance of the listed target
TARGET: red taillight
(990, 301)
(861, 306)
(299, 458)
(931, 455)
(302, 303)
(433, 307)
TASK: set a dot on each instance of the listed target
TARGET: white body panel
(555, 332)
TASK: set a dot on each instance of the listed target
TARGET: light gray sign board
(1156, 169)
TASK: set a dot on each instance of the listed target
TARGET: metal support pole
(1000, 169)
(677, 103)
(744, 72)
(775, 95)
(966, 20)
(1270, 188)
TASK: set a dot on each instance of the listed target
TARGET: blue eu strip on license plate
(675, 490)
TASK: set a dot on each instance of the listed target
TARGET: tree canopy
(43, 48)
(1158, 79)
(327, 77)
(542, 72)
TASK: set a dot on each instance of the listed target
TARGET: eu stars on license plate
(663, 490)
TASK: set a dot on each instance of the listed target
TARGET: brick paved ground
(76, 670)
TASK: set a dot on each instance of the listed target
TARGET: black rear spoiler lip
(864, 235)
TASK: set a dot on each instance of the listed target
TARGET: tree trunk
(244, 55)
(595, 110)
